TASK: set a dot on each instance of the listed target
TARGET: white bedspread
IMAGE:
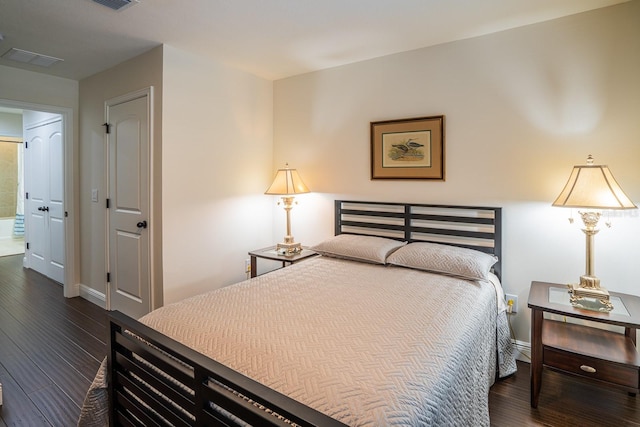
(369, 345)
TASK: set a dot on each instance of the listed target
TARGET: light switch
(94, 195)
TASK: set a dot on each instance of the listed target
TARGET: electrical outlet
(247, 266)
(514, 306)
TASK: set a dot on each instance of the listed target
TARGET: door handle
(45, 208)
(40, 208)
(142, 224)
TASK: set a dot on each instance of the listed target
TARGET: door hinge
(66, 214)
(107, 203)
(108, 277)
(26, 195)
(107, 127)
(27, 245)
(26, 144)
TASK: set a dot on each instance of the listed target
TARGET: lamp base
(288, 249)
(589, 295)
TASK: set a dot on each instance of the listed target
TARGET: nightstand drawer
(590, 367)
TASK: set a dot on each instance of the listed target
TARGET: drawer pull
(587, 368)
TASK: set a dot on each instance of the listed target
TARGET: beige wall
(212, 160)
(138, 73)
(11, 124)
(217, 151)
(27, 86)
(522, 107)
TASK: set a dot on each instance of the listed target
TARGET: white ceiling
(269, 38)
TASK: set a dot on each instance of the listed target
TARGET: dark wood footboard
(154, 380)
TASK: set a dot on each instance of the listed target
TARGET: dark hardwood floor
(50, 349)
(564, 401)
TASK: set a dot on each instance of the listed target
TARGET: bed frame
(141, 366)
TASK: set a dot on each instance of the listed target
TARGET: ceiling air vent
(32, 58)
(116, 4)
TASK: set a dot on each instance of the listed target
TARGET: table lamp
(591, 187)
(287, 183)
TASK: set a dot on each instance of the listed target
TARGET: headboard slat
(449, 232)
(466, 219)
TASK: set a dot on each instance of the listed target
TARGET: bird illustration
(407, 150)
(413, 144)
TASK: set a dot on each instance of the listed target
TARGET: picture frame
(408, 149)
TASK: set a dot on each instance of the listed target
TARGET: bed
(399, 321)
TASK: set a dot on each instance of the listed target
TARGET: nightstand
(608, 357)
(271, 254)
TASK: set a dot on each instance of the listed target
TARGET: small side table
(609, 357)
(271, 254)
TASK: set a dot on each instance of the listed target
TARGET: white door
(44, 184)
(129, 222)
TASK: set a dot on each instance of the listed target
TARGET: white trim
(90, 294)
(522, 350)
(44, 122)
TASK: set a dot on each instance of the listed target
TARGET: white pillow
(445, 259)
(358, 248)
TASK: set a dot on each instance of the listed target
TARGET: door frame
(71, 287)
(149, 93)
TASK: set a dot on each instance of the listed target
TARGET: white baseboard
(96, 297)
(522, 350)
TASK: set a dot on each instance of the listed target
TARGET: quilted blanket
(368, 345)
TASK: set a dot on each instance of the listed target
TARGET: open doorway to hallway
(11, 182)
(49, 201)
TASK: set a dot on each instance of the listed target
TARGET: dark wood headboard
(474, 227)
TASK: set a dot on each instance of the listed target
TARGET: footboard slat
(124, 417)
(137, 392)
(210, 381)
(180, 373)
(121, 421)
(225, 399)
(162, 385)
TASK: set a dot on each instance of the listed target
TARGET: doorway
(11, 185)
(64, 158)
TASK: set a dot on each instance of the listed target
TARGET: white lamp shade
(287, 181)
(593, 187)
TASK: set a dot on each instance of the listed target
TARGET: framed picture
(408, 148)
